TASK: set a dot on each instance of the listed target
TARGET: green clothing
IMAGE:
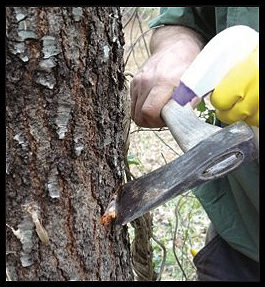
(232, 203)
(208, 20)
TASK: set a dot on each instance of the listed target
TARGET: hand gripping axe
(210, 152)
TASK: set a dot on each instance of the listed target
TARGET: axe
(210, 152)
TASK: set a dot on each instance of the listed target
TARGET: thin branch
(131, 40)
(162, 267)
(133, 45)
(127, 73)
(164, 158)
(140, 129)
(174, 240)
(166, 143)
(142, 33)
(130, 18)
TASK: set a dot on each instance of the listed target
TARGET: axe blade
(212, 158)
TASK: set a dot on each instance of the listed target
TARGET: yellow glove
(236, 97)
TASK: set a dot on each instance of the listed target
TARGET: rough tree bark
(64, 143)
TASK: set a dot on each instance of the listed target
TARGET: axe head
(212, 158)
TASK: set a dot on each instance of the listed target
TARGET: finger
(253, 120)
(224, 100)
(228, 117)
(139, 118)
(151, 109)
(133, 95)
(239, 112)
(140, 87)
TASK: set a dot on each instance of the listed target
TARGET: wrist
(165, 37)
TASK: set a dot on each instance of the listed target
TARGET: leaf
(201, 106)
(211, 117)
(131, 160)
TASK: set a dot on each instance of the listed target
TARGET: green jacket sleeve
(208, 21)
(200, 19)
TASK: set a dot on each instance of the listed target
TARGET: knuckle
(148, 111)
(141, 77)
(138, 120)
(151, 114)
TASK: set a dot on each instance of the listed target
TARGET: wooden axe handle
(186, 128)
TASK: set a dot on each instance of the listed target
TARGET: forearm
(167, 36)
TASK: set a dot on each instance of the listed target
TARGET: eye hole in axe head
(222, 165)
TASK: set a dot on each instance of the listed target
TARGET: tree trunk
(64, 143)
